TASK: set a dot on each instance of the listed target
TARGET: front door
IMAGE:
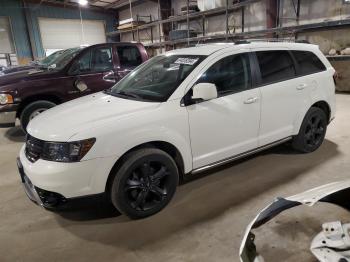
(228, 125)
(93, 71)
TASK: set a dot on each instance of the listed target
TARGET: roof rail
(286, 40)
(240, 42)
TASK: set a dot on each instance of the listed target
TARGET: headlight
(67, 152)
(6, 99)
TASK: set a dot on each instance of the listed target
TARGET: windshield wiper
(127, 94)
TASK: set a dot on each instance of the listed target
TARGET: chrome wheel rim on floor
(147, 186)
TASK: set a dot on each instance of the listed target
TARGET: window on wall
(6, 40)
(129, 56)
(230, 74)
(275, 66)
(308, 62)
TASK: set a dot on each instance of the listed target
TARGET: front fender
(167, 123)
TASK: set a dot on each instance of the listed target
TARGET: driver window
(230, 74)
(96, 60)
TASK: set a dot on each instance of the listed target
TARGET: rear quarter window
(308, 62)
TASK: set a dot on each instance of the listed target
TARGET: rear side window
(129, 56)
(308, 62)
(275, 66)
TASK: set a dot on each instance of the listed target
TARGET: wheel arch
(324, 106)
(167, 147)
(33, 98)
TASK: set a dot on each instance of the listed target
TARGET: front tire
(312, 131)
(145, 183)
(32, 110)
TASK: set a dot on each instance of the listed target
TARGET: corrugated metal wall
(14, 10)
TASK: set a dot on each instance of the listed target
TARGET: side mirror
(204, 91)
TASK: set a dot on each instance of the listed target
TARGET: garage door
(66, 33)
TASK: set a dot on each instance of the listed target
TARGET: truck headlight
(6, 99)
(67, 151)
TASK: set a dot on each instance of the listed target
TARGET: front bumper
(67, 180)
(8, 115)
(37, 195)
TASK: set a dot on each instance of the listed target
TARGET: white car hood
(64, 121)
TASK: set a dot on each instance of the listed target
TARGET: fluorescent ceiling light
(83, 2)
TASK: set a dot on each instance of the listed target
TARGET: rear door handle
(301, 86)
(251, 100)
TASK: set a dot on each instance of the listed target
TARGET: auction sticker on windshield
(186, 61)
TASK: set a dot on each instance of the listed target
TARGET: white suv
(177, 114)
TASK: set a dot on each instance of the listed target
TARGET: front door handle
(301, 86)
(251, 100)
(109, 77)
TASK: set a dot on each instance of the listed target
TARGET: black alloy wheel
(147, 186)
(312, 131)
(145, 183)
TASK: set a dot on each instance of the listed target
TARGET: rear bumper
(8, 115)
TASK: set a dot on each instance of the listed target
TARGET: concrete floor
(204, 222)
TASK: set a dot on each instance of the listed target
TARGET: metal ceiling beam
(121, 3)
(66, 3)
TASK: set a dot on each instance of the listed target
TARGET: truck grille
(34, 148)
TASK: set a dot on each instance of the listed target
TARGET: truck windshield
(156, 79)
(49, 59)
(64, 58)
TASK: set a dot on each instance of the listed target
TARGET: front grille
(34, 148)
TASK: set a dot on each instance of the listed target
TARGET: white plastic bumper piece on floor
(337, 193)
(333, 243)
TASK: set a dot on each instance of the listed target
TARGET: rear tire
(32, 110)
(312, 131)
(145, 183)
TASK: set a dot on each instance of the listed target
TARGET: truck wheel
(312, 131)
(32, 110)
(145, 183)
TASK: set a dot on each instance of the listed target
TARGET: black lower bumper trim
(50, 199)
(7, 125)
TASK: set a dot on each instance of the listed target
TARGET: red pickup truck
(77, 72)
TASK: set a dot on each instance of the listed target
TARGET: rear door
(129, 57)
(281, 94)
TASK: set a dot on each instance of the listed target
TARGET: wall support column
(29, 28)
(271, 15)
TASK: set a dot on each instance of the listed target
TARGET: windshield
(49, 59)
(64, 58)
(156, 79)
